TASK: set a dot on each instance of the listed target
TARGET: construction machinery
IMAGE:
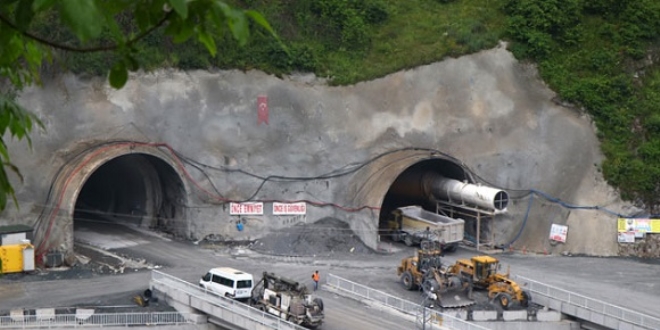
(441, 288)
(482, 273)
(288, 300)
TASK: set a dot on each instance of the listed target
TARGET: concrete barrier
(548, 316)
(514, 315)
(17, 315)
(44, 314)
(480, 316)
(83, 314)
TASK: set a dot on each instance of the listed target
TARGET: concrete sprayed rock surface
(487, 110)
(326, 237)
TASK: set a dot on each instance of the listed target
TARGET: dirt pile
(326, 237)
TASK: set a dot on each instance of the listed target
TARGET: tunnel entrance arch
(401, 178)
(122, 182)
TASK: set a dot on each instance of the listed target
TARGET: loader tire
(407, 280)
(408, 240)
(527, 298)
(503, 299)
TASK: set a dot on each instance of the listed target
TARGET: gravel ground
(324, 238)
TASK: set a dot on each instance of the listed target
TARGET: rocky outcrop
(647, 247)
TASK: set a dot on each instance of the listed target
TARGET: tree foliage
(116, 26)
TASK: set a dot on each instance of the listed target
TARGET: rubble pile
(326, 237)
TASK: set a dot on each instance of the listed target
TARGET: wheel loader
(482, 273)
(441, 288)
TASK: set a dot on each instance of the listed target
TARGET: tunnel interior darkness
(408, 188)
(137, 189)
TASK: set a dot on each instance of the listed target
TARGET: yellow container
(12, 258)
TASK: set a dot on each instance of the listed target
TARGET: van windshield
(244, 284)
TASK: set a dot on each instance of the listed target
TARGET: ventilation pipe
(465, 193)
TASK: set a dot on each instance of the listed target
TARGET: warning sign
(558, 233)
(625, 237)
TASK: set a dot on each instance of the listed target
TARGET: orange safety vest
(315, 277)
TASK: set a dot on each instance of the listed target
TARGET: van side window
(244, 284)
(223, 281)
(207, 277)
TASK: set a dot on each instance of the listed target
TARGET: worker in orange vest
(316, 277)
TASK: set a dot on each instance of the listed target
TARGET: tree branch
(51, 44)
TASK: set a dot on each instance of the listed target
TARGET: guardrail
(238, 313)
(408, 307)
(92, 320)
(617, 312)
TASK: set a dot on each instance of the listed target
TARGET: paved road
(624, 282)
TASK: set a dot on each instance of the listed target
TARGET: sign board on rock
(248, 208)
(289, 208)
(558, 233)
(638, 225)
(625, 237)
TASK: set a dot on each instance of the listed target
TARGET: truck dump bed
(415, 218)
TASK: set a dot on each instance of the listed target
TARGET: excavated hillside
(487, 110)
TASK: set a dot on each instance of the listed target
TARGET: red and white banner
(289, 208)
(262, 109)
(248, 208)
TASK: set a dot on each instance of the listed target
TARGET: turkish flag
(262, 109)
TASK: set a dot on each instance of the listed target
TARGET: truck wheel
(451, 248)
(408, 240)
(407, 281)
(527, 298)
(319, 303)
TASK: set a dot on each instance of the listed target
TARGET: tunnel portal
(443, 186)
(137, 189)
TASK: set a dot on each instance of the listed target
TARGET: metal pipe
(475, 195)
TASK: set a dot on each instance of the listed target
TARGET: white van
(228, 282)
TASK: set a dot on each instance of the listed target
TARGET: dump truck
(413, 225)
(482, 273)
(441, 288)
(288, 300)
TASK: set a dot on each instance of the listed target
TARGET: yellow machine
(482, 272)
(16, 258)
(425, 271)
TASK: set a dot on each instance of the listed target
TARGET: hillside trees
(28, 42)
(599, 55)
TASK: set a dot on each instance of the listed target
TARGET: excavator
(482, 273)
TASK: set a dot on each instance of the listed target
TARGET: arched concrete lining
(371, 185)
(55, 230)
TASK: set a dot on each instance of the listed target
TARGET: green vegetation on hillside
(601, 55)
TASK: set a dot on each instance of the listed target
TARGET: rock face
(648, 247)
(487, 110)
